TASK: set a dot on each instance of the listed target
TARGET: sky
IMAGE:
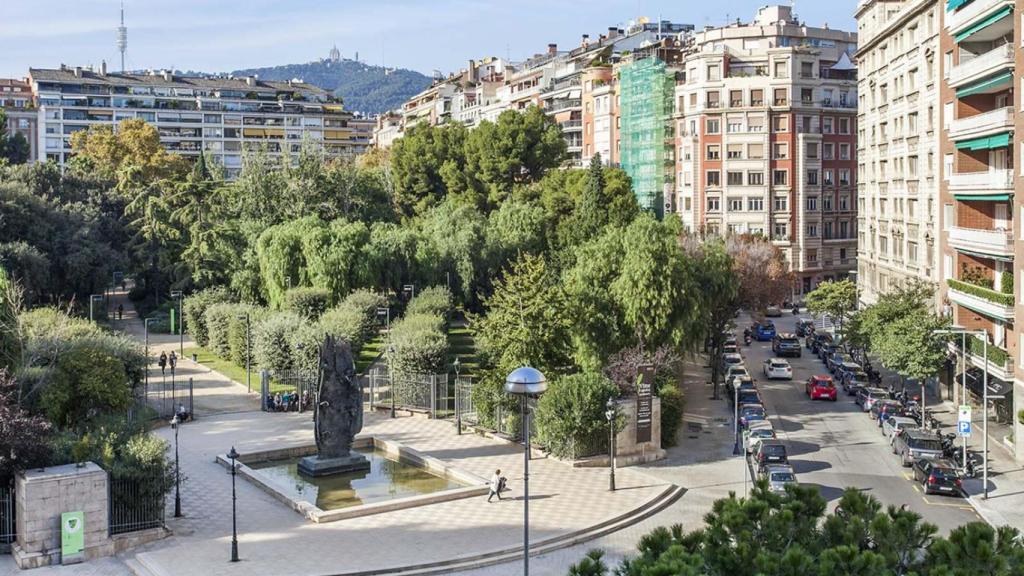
(423, 35)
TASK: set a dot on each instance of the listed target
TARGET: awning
(995, 17)
(988, 256)
(995, 82)
(573, 94)
(844, 63)
(996, 387)
(985, 142)
(969, 197)
(954, 4)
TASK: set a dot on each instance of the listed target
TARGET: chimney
(78, 71)
(250, 80)
(168, 75)
(600, 39)
(103, 67)
(612, 32)
(586, 40)
(552, 49)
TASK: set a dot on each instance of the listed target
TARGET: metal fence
(293, 390)
(168, 394)
(432, 394)
(136, 504)
(8, 530)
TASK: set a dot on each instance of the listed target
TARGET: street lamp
(526, 382)
(736, 420)
(234, 517)
(145, 325)
(248, 352)
(458, 404)
(409, 289)
(181, 321)
(391, 379)
(177, 471)
(92, 299)
(610, 414)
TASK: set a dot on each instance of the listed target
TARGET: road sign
(964, 427)
(963, 413)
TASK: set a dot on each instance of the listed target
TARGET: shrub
(347, 324)
(421, 345)
(194, 309)
(435, 300)
(272, 341)
(570, 415)
(10, 343)
(308, 302)
(218, 321)
(240, 326)
(672, 405)
(88, 380)
(1006, 283)
(305, 347)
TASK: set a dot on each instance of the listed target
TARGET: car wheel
(903, 457)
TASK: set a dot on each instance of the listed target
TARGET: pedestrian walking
(162, 362)
(495, 485)
(173, 359)
(120, 311)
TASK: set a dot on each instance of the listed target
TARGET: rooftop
(78, 75)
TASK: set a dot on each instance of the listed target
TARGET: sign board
(963, 413)
(644, 402)
(964, 427)
(72, 535)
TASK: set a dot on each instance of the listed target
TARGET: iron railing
(136, 504)
(8, 526)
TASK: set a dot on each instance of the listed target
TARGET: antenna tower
(122, 37)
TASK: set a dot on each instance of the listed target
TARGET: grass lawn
(370, 351)
(232, 370)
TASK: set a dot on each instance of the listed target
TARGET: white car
(730, 359)
(777, 368)
(892, 426)
(735, 371)
(757, 431)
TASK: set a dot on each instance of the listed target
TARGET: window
(736, 98)
(812, 177)
(806, 95)
(828, 151)
(781, 203)
(812, 254)
(827, 230)
(807, 70)
(844, 231)
(713, 73)
(755, 124)
(812, 230)
(779, 97)
(714, 152)
(812, 203)
(844, 151)
(734, 125)
(947, 61)
(912, 124)
(736, 204)
(827, 177)
(780, 177)
(812, 150)
(714, 205)
(780, 231)
(844, 202)
(780, 150)
(734, 151)
(827, 124)
(947, 166)
(686, 204)
(712, 126)
(757, 97)
(712, 98)
(755, 204)
(912, 166)
(782, 69)
(734, 178)
(844, 176)
(826, 202)
(780, 123)
(714, 178)
(755, 178)
(844, 125)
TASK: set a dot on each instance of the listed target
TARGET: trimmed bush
(1006, 283)
(194, 309)
(237, 333)
(218, 321)
(570, 415)
(355, 319)
(307, 301)
(421, 345)
(272, 340)
(435, 300)
(672, 405)
(305, 347)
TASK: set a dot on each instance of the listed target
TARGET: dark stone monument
(338, 415)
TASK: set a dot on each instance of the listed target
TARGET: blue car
(765, 331)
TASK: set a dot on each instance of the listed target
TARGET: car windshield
(859, 377)
(924, 444)
(780, 365)
(753, 411)
(823, 383)
(945, 473)
(783, 477)
(762, 433)
(773, 449)
(788, 341)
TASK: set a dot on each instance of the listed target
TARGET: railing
(136, 503)
(981, 182)
(979, 123)
(985, 241)
(8, 530)
(989, 61)
(981, 299)
(571, 124)
(967, 14)
(563, 104)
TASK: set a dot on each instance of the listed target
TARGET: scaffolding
(646, 87)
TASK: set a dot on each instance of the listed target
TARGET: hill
(363, 87)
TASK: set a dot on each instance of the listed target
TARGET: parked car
(747, 396)
(773, 312)
(751, 413)
(817, 339)
(825, 350)
(741, 383)
(734, 371)
(786, 344)
(778, 476)
(939, 476)
(764, 331)
(867, 396)
(730, 348)
(836, 359)
(804, 326)
(757, 431)
(846, 368)
(892, 426)
(730, 359)
(853, 379)
(770, 452)
(914, 445)
(821, 387)
(777, 368)
(883, 409)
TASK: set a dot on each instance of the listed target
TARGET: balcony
(981, 66)
(992, 182)
(962, 19)
(985, 124)
(994, 242)
(981, 300)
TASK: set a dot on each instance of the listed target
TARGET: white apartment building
(898, 144)
(221, 117)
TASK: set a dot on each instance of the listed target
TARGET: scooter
(746, 339)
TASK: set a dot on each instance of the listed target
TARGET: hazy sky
(218, 35)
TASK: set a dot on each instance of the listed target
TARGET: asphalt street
(834, 445)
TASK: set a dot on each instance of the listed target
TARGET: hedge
(238, 333)
(307, 301)
(420, 344)
(672, 405)
(272, 339)
(194, 309)
(434, 300)
(981, 292)
(305, 347)
(571, 420)
(996, 355)
(225, 329)
(355, 319)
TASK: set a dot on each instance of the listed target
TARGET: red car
(821, 387)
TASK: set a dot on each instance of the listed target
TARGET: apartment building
(766, 132)
(898, 144)
(221, 117)
(22, 116)
(981, 191)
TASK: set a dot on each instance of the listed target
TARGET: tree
(720, 297)
(835, 299)
(592, 208)
(570, 415)
(133, 155)
(599, 326)
(24, 438)
(456, 236)
(909, 346)
(424, 163)
(10, 332)
(762, 270)
(14, 148)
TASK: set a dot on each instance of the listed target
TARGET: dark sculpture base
(317, 466)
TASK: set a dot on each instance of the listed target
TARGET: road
(833, 445)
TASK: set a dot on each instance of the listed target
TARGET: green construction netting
(954, 4)
(646, 90)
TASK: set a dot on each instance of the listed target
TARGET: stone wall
(627, 450)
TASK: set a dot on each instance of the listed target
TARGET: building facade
(766, 131)
(981, 191)
(221, 117)
(22, 115)
(898, 144)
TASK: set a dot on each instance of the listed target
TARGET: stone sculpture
(338, 415)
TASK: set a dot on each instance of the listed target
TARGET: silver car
(778, 475)
(892, 426)
(757, 431)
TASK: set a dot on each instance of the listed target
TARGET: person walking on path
(495, 486)
(173, 360)
(162, 362)
(120, 311)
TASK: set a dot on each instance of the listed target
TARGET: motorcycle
(796, 310)
(747, 339)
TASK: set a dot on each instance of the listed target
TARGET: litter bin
(195, 357)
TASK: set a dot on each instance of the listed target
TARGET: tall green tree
(835, 299)
(719, 295)
(592, 209)
(425, 163)
(599, 325)
(14, 148)
(10, 334)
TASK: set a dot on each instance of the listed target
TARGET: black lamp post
(391, 378)
(177, 294)
(458, 404)
(177, 470)
(526, 382)
(233, 455)
(610, 414)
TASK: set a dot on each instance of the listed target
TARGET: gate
(8, 530)
(432, 394)
(136, 504)
(164, 398)
(296, 389)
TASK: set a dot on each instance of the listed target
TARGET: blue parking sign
(964, 428)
